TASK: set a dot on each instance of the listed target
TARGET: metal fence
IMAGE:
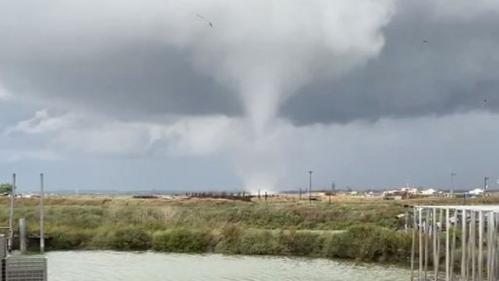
(25, 268)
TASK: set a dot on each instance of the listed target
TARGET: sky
(235, 94)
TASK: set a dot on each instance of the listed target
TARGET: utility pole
(42, 232)
(485, 185)
(333, 187)
(310, 187)
(452, 175)
(11, 213)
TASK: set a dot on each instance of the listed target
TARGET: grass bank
(366, 230)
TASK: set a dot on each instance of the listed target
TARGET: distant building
(428, 192)
(397, 194)
(410, 190)
(476, 191)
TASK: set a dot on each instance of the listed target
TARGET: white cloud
(13, 155)
(388, 152)
(4, 95)
(186, 136)
(41, 123)
(198, 136)
(368, 154)
(77, 132)
(109, 138)
(265, 57)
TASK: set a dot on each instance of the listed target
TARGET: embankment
(366, 230)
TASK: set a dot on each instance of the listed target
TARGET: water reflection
(114, 266)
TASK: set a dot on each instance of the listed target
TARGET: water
(114, 266)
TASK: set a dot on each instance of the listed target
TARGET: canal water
(119, 266)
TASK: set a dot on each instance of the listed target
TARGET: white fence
(454, 243)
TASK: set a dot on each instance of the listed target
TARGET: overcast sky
(232, 94)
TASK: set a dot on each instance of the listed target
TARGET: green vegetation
(5, 188)
(365, 230)
(369, 242)
(130, 238)
(181, 240)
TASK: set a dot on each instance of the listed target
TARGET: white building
(476, 191)
(429, 191)
(410, 190)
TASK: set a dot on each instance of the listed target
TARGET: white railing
(455, 243)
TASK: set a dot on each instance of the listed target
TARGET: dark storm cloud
(431, 65)
(127, 60)
(140, 78)
(119, 56)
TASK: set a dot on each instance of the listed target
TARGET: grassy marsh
(366, 230)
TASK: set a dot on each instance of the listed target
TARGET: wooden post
(436, 241)
(441, 227)
(426, 249)
(490, 243)
(420, 271)
(463, 245)
(473, 245)
(413, 247)
(480, 246)
(495, 251)
(495, 260)
(447, 245)
(453, 246)
(22, 235)
(439, 230)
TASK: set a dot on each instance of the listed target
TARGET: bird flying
(210, 24)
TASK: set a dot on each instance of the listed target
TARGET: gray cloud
(160, 58)
(116, 89)
(130, 72)
(144, 78)
(455, 70)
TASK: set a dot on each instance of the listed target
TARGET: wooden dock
(455, 243)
